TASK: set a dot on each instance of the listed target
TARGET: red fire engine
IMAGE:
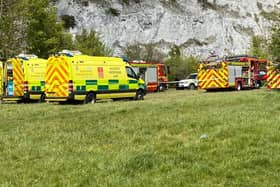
(153, 73)
(236, 72)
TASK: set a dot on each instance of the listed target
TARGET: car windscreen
(192, 76)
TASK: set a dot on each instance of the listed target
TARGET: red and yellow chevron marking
(273, 78)
(57, 77)
(18, 77)
(213, 78)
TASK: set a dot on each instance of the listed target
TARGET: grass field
(175, 138)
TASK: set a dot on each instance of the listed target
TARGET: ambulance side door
(132, 78)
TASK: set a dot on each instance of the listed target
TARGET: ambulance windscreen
(27, 56)
(70, 53)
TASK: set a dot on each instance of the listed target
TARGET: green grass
(155, 142)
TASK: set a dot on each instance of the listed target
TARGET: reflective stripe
(273, 78)
(213, 78)
(57, 77)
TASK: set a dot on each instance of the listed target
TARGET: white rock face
(198, 26)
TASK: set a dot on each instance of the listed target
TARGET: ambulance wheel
(139, 95)
(117, 99)
(90, 98)
(42, 98)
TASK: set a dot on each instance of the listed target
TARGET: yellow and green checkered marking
(105, 85)
(37, 86)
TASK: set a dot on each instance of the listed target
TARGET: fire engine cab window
(130, 72)
(163, 70)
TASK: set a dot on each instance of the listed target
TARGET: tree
(133, 52)
(259, 47)
(147, 52)
(90, 44)
(275, 43)
(179, 65)
(12, 29)
(45, 35)
(69, 21)
(175, 51)
(152, 53)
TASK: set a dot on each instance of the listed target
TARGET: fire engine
(238, 72)
(153, 73)
(273, 76)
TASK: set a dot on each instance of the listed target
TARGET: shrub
(179, 65)
(273, 16)
(147, 52)
(69, 21)
(90, 43)
(113, 12)
(259, 47)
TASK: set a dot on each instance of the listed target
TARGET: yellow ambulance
(73, 76)
(24, 78)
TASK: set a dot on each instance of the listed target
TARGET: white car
(190, 82)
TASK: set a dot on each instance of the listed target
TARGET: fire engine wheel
(161, 88)
(258, 84)
(239, 86)
(90, 98)
(139, 95)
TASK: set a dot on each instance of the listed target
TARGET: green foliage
(260, 5)
(133, 52)
(275, 43)
(180, 66)
(113, 12)
(207, 5)
(35, 29)
(175, 51)
(30, 26)
(106, 2)
(69, 21)
(170, 3)
(147, 52)
(273, 16)
(268, 48)
(90, 44)
(127, 2)
(44, 34)
(259, 47)
(12, 29)
(155, 142)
